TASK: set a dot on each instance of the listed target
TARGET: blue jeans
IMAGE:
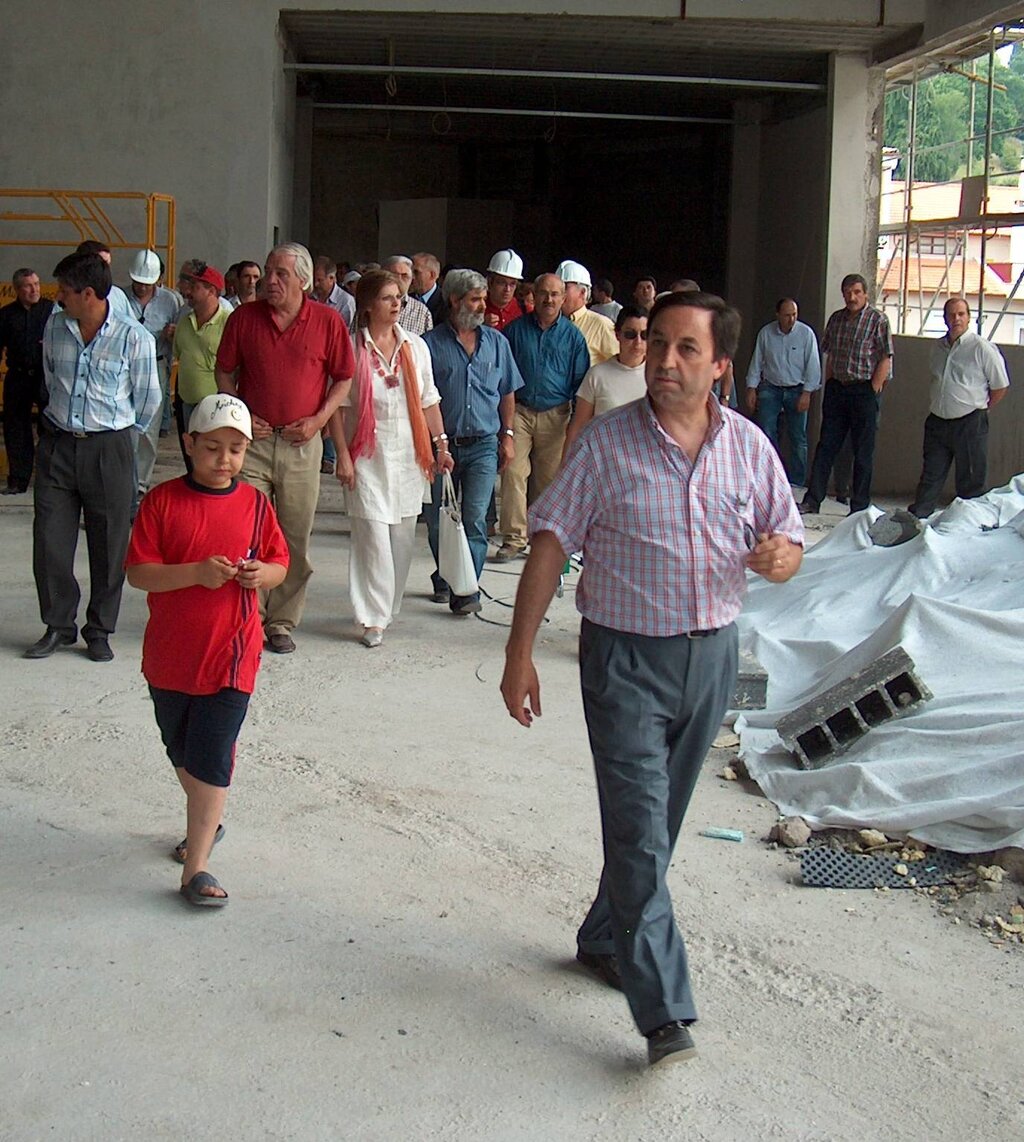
(476, 466)
(773, 399)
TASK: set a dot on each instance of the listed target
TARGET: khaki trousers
(290, 477)
(539, 439)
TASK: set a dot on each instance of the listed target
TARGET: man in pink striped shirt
(671, 499)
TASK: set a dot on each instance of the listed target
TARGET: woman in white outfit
(393, 423)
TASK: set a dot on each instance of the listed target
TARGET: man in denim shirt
(477, 378)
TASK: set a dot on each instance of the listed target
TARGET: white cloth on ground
(951, 771)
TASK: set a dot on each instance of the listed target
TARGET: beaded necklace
(389, 379)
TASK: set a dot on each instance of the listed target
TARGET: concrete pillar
(853, 184)
(302, 175)
(744, 194)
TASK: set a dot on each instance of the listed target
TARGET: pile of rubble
(980, 894)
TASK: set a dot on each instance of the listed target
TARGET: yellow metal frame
(86, 212)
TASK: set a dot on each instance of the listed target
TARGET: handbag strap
(448, 497)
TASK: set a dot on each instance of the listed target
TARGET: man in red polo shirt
(291, 361)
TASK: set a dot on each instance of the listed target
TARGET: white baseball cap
(220, 411)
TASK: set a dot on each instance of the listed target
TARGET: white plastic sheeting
(950, 772)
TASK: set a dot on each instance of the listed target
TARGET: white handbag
(454, 561)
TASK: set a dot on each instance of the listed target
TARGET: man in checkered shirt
(671, 499)
(857, 360)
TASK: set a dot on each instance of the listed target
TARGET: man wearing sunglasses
(616, 381)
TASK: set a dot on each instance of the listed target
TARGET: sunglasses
(633, 334)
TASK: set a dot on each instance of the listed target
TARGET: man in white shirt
(968, 378)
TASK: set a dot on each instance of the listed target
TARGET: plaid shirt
(415, 317)
(856, 344)
(104, 386)
(663, 540)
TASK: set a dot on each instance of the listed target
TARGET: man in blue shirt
(103, 389)
(784, 370)
(553, 357)
(477, 378)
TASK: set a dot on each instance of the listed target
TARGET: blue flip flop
(193, 895)
(179, 850)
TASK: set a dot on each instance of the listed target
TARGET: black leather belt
(702, 633)
(466, 441)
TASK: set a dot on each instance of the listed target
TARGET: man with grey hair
(414, 317)
(426, 270)
(291, 361)
(477, 378)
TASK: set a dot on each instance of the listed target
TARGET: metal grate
(836, 868)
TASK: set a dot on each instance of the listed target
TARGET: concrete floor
(407, 868)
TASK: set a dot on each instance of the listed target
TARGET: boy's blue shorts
(199, 731)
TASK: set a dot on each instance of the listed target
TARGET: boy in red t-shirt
(201, 546)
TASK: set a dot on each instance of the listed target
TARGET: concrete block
(831, 722)
(751, 692)
(896, 527)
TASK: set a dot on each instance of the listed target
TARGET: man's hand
(506, 452)
(519, 683)
(751, 400)
(345, 470)
(490, 319)
(443, 462)
(216, 571)
(803, 402)
(302, 431)
(775, 558)
(261, 429)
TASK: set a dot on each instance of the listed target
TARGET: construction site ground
(407, 868)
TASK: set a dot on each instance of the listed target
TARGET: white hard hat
(145, 268)
(570, 271)
(507, 263)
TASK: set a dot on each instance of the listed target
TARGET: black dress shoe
(441, 596)
(51, 641)
(603, 965)
(670, 1041)
(98, 649)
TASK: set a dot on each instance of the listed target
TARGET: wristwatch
(508, 432)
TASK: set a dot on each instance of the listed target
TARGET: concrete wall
(184, 98)
(905, 406)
